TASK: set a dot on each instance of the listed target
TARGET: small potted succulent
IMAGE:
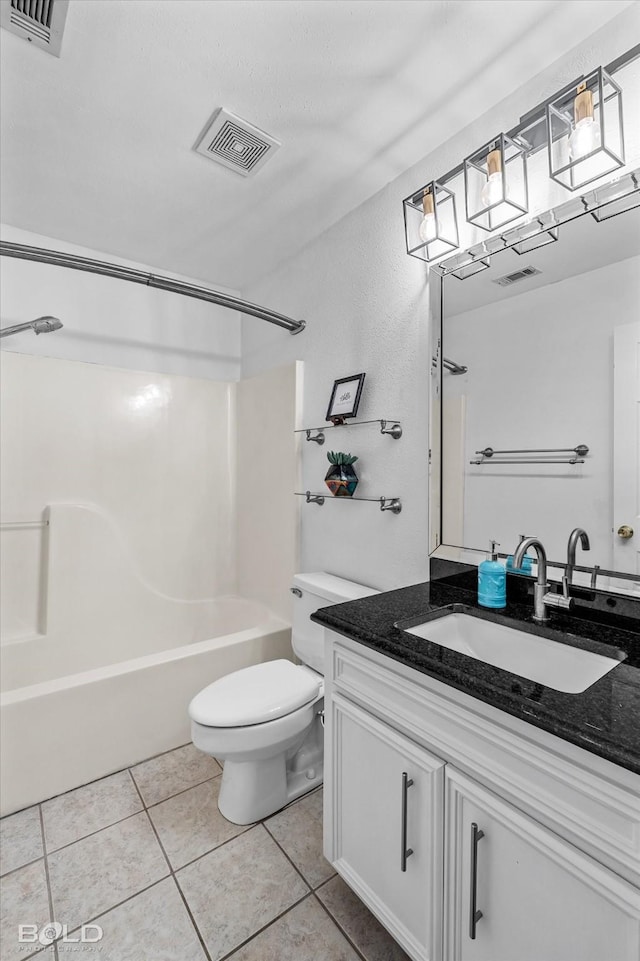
(341, 478)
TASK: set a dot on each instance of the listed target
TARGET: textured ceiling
(97, 145)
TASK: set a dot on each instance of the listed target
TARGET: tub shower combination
(112, 686)
(98, 666)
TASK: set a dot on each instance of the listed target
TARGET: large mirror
(542, 361)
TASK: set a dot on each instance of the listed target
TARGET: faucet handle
(558, 600)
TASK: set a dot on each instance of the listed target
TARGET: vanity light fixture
(581, 129)
(585, 135)
(430, 221)
(495, 183)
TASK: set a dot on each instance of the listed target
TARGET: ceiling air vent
(236, 144)
(519, 275)
(39, 21)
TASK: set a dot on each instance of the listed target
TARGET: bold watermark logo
(54, 931)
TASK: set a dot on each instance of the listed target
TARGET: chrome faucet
(577, 534)
(542, 597)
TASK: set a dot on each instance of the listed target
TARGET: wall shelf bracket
(394, 431)
(392, 504)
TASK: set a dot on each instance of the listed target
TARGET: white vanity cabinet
(388, 822)
(553, 862)
(517, 892)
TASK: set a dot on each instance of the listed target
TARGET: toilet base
(252, 790)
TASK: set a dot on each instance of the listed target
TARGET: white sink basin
(556, 665)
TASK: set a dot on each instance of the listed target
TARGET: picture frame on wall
(345, 398)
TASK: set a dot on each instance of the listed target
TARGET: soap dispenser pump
(492, 581)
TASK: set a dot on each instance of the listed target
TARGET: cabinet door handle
(474, 914)
(405, 851)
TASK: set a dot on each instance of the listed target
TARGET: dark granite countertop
(604, 719)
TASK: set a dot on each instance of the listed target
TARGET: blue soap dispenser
(492, 581)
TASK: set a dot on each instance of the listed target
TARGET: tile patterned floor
(146, 855)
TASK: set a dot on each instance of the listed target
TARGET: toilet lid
(255, 694)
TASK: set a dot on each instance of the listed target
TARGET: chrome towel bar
(579, 453)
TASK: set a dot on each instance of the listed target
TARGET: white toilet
(265, 722)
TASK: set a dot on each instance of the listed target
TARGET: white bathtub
(67, 730)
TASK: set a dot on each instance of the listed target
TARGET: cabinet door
(386, 800)
(537, 897)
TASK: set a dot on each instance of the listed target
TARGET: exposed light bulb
(492, 190)
(586, 129)
(427, 228)
(585, 138)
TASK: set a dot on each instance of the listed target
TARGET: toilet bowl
(264, 723)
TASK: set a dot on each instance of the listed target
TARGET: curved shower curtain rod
(60, 259)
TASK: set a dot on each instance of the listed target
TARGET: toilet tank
(318, 590)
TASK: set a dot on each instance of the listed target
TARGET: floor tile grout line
(222, 844)
(46, 862)
(172, 875)
(182, 896)
(159, 754)
(172, 872)
(103, 777)
(42, 858)
(106, 827)
(45, 857)
(238, 947)
(295, 866)
(118, 904)
(127, 817)
(136, 893)
(171, 796)
(27, 864)
(249, 827)
(342, 931)
(157, 836)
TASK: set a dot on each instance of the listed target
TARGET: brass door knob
(625, 531)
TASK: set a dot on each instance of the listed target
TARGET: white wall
(114, 322)
(366, 304)
(558, 393)
(366, 307)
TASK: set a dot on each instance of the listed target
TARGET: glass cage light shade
(495, 184)
(431, 224)
(585, 134)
